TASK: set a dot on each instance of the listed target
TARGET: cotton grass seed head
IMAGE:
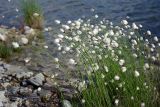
(137, 74)
(117, 77)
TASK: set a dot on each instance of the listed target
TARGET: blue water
(145, 12)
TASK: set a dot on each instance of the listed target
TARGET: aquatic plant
(32, 13)
(115, 63)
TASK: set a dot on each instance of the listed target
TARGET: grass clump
(113, 63)
(5, 52)
(32, 13)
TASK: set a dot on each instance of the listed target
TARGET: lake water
(145, 12)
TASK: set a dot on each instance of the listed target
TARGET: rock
(2, 97)
(6, 66)
(29, 30)
(45, 94)
(37, 80)
(11, 70)
(3, 37)
(68, 92)
(66, 103)
(1, 104)
(1, 69)
(20, 75)
(13, 90)
(6, 84)
(24, 40)
(25, 91)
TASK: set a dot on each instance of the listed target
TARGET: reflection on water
(145, 12)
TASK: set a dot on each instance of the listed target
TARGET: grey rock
(25, 91)
(1, 104)
(45, 94)
(13, 90)
(6, 66)
(23, 74)
(66, 103)
(68, 92)
(6, 84)
(1, 69)
(2, 97)
(12, 70)
(37, 80)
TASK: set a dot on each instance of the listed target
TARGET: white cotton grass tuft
(110, 51)
(117, 77)
(124, 69)
(156, 38)
(116, 102)
(83, 101)
(36, 14)
(57, 21)
(57, 40)
(56, 59)
(60, 36)
(125, 22)
(15, 45)
(142, 104)
(121, 62)
(106, 68)
(134, 26)
(72, 61)
(137, 74)
(149, 32)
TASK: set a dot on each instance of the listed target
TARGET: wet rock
(37, 80)
(66, 103)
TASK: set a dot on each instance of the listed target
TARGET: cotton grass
(113, 62)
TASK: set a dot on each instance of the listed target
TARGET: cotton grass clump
(116, 63)
(32, 13)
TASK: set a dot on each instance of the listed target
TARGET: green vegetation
(113, 63)
(5, 51)
(32, 13)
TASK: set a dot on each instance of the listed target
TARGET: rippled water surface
(145, 12)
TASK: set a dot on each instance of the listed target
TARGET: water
(145, 12)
